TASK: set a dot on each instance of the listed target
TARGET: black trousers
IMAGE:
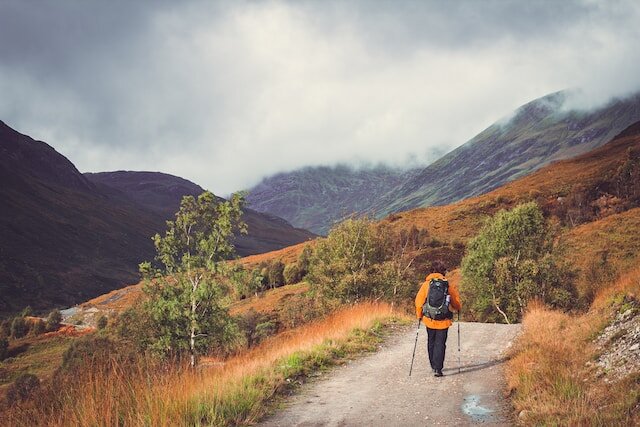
(436, 346)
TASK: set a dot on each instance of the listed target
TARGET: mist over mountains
(539, 132)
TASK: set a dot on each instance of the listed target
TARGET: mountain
(315, 198)
(539, 133)
(162, 193)
(66, 237)
(61, 239)
(592, 199)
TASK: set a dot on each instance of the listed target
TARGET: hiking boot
(437, 373)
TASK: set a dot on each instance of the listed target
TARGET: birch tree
(188, 304)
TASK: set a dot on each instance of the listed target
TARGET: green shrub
(53, 320)
(512, 261)
(93, 351)
(27, 311)
(275, 274)
(257, 326)
(19, 327)
(291, 274)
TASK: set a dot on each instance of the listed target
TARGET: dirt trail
(377, 390)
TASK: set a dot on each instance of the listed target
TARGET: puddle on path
(473, 409)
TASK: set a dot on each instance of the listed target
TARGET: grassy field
(236, 391)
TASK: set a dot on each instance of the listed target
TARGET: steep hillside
(561, 188)
(315, 198)
(162, 193)
(594, 198)
(61, 239)
(66, 237)
(540, 132)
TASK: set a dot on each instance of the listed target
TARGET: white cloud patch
(224, 94)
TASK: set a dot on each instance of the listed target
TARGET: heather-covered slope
(539, 133)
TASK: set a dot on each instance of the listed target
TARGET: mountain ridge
(537, 133)
(161, 193)
(65, 238)
(317, 197)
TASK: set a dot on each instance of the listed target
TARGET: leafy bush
(363, 260)
(19, 327)
(343, 265)
(134, 328)
(303, 261)
(275, 274)
(512, 261)
(257, 326)
(53, 320)
(303, 308)
(291, 274)
(22, 388)
(92, 353)
(245, 282)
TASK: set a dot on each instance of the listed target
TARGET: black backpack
(436, 306)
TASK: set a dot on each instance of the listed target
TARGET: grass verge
(551, 374)
(237, 391)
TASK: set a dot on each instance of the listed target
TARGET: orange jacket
(421, 297)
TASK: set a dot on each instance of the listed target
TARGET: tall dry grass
(231, 392)
(551, 375)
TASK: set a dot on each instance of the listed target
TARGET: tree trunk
(192, 347)
(192, 337)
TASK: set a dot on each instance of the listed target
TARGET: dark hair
(438, 266)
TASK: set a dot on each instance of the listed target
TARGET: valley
(591, 201)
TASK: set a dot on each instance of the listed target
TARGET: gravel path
(377, 390)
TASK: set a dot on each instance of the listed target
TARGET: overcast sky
(225, 93)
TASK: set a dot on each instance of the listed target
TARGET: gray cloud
(226, 93)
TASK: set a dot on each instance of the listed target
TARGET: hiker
(437, 315)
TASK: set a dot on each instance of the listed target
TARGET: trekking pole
(459, 369)
(414, 347)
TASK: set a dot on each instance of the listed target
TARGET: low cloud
(227, 93)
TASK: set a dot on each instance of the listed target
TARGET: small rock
(523, 414)
(634, 347)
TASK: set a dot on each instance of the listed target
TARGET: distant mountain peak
(537, 133)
